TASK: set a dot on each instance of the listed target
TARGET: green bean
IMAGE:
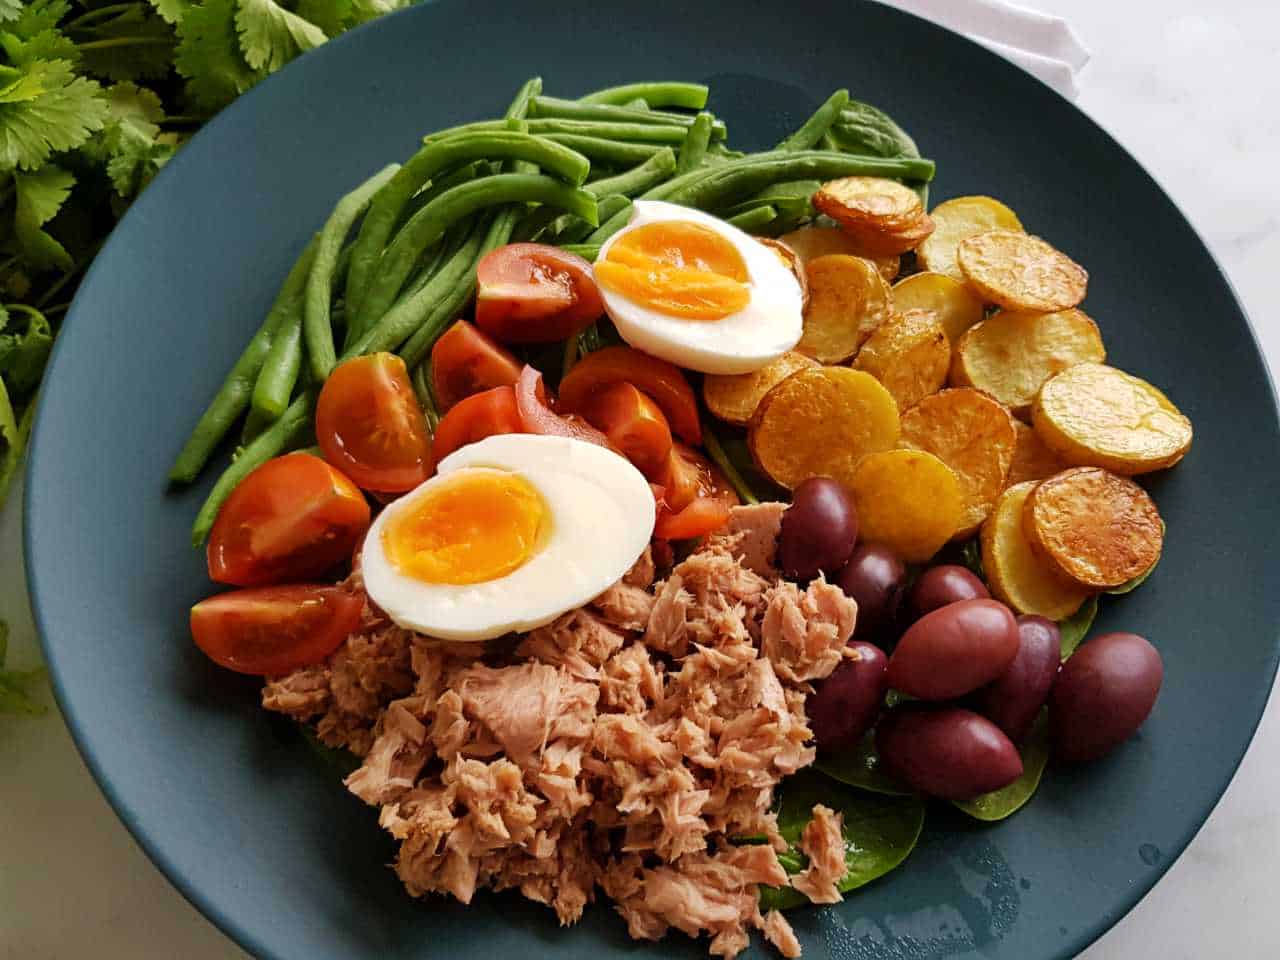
(587, 251)
(571, 229)
(445, 181)
(694, 148)
(285, 433)
(422, 388)
(716, 452)
(439, 155)
(317, 325)
(790, 198)
(607, 151)
(825, 142)
(754, 219)
(554, 108)
(604, 129)
(637, 103)
(813, 129)
(638, 179)
(279, 373)
(570, 355)
(427, 226)
(662, 93)
(519, 108)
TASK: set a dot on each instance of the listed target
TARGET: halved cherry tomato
(268, 631)
(464, 361)
(661, 381)
(292, 518)
(633, 423)
(696, 497)
(476, 417)
(537, 417)
(533, 293)
(702, 516)
(370, 427)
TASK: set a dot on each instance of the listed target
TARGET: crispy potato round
(882, 241)
(953, 302)
(870, 201)
(1021, 272)
(910, 354)
(734, 397)
(971, 434)
(791, 260)
(1092, 415)
(813, 241)
(1015, 574)
(959, 218)
(1011, 354)
(819, 422)
(1032, 460)
(1099, 529)
(908, 500)
(848, 299)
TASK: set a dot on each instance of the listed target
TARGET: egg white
(764, 330)
(600, 514)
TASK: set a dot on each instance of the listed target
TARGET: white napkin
(1041, 44)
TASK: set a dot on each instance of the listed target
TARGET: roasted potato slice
(956, 219)
(1010, 354)
(1099, 529)
(869, 201)
(820, 422)
(848, 299)
(908, 500)
(1032, 460)
(1020, 272)
(953, 302)
(1015, 574)
(881, 241)
(909, 354)
(971, 434)
(814, 241)
(1095, 415)
(734, 397)
(791, 260)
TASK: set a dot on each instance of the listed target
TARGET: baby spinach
(861, 767)
(862, 128)
(1075, 627)
(1141, 578)
(879, 832)
(1008, 800)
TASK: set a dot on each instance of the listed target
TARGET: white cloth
(1041, 44)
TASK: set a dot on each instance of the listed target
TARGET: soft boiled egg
(681, 285)
(510, 533)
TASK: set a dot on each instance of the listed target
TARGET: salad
(647, 521)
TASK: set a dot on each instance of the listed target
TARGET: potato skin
(908, 500)
(1015, 574)
(910, 354)
(955, 305)
(1095, 415)
(848, 299)
(1032, 460)
(1099, 529)
(1020, 272)
(956, 219)
(734, 397)
(819, 422)
(791, 260)
(883, 216)
(1011, 354)
(815, 241)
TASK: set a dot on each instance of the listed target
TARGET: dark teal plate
(262, 837)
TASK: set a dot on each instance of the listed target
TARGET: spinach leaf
(1076, 627)
(15, 685)
(862, 128)
(1008, 800)
(733, 443)
(1141, 578)
(861, 767)
(879, 832)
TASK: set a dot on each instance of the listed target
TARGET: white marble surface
(1192, 92)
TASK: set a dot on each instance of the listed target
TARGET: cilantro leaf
(13, 441)
(331, 16)
(132, 45)
(23, 356)
(131, 144)
(208, 55)
(45, 45)
(40, 195)
(60, 116)
(15, 685)
(271, 36)
(171, 10)
(365, 10)
(10, 10)
(38, 16)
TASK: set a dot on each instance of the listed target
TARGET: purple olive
(954, 650)
(1102, 695)
(946, 752)
(874, 577)
(847, 704)
(819, 529)
(1012, 700)
(939, 586)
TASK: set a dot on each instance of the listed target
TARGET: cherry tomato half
(370, 427)
(476, 417)
(292, 518)
(268, 631)
(661, 381)
(633, 423)
(696, 497)
(537, 417)
(464, 361)
(702, 516)
(533, 293)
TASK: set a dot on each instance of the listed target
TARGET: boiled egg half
(510, 533)
(684, 286)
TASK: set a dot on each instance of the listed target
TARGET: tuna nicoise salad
(680, 522)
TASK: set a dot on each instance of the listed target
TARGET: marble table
(1191, 91)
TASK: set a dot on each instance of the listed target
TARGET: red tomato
(533, 293)
(292, 518)
(702, 516)
(370, 427)
(537, 417)
(633, 423)
(268, 631)
(661, 381)
(476, 417)
(464, 362)
(696, 497)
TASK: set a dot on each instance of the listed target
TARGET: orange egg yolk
(679, 268)
(477, 525)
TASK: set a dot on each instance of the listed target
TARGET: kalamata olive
(938, 586)
(946, 752)
(874, 577)
(1102, 695)
(847, 703)
(818, 531)
(954, 650)
(1012, 700)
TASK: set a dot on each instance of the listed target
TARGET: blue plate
(263, 838)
